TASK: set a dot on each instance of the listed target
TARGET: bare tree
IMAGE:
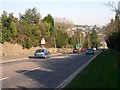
(113, 6)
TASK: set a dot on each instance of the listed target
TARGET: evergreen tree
(61, 39)
(9, 29)
(88, 43)
(30, 16)
(94, 38)
(73, 40)
(49, 20)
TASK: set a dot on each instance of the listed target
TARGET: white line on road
(31, 70)
(71, 77)
(4, 78)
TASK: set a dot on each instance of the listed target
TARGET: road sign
(77, 46)
(43, 41)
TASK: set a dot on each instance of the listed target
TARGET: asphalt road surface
(42, 73)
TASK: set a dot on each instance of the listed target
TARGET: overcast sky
(79, 11)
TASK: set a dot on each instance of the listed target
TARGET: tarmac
(5, 59)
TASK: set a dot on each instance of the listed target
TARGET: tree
(61, 39)
(88, 43)
(49, 20)
(110, 28)
(4, 19)
(47, 29)
(30, 16)
(94, 38)
(79, 36)
(113, 39)
(63, 24)
(73, 40)
(9, 29)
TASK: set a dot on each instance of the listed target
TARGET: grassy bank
(102, 72)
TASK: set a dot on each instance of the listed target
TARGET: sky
(82, 12)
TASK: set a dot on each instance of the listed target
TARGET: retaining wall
(8, 49)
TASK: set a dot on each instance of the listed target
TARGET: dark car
(89, 51)
(42, 53)
(75, 50)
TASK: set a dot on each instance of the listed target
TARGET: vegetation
(30, 16)
(113, 31)
(94, 38)
(88, 42)
(102, 72)
(61, 39)
(29, 29)
(9, 29)
(73, 40)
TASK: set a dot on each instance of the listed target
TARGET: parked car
(83, 50)
(41, 53)
(89, 51)
(75, 50)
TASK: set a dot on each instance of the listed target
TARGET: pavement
(4, 59)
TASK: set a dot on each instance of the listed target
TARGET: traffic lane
(64, 69)
(11, 69)
(33, 75)
(27, 65)
(50, 76)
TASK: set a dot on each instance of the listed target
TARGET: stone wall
(8, 49)
(1, 49)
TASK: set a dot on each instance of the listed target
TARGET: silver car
(42, 53)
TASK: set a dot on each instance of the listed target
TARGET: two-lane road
(40, 73)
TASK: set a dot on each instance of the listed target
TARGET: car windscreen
(89, 49)
(40, 50)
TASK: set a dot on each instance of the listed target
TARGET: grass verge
(102, 72)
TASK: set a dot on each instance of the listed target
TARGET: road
(42, 73)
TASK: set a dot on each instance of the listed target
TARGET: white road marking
(38, 68)
(4, 78)
(71, 77)
(31, 70)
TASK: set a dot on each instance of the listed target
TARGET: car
(83, 50)
(94, 49)
(89, 51)
(75, 50)
(41, 53)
